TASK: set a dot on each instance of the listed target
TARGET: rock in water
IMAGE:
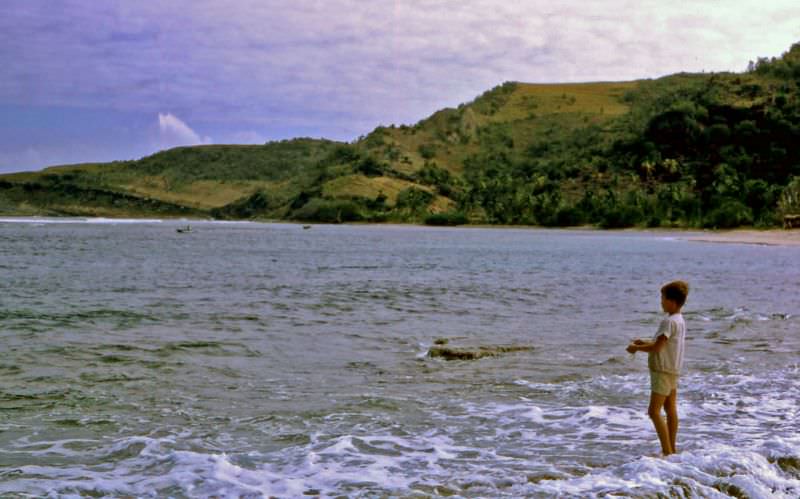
(473, 353)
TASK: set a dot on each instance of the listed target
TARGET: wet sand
(772, 237)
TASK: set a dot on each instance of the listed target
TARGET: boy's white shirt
(670, 358)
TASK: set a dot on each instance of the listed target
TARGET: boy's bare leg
(654, 411)
(671, 407)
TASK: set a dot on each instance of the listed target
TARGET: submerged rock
(789, 464)
(473, 353)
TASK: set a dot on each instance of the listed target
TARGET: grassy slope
(530, 110)
(201, 180)
(197, 178)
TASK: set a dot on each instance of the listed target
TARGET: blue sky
(89, 80)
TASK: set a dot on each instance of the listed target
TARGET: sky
(103, 80)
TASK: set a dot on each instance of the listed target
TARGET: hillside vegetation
(687, 150)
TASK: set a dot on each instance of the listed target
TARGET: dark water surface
(267, 360)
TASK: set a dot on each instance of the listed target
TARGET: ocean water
(265, 360)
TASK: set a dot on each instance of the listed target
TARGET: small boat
(306, 227)
(183, 230)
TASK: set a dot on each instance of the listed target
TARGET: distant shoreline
(765, 237)
(769, 237)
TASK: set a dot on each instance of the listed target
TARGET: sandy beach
(772, 237)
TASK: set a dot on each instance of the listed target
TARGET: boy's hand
(639, 342)
(631, 348)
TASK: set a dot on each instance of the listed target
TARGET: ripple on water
(530, 446)
(137, 364)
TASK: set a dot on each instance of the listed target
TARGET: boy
(665, 359)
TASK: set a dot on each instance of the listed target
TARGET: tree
(414, 200)
(789, 203)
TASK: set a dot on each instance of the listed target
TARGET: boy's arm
(649, 346)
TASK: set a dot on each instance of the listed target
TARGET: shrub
(328, 211)
(731, 213)
(620, 217)
(789, 203)
(427, 151)
(414, 199)
(654, 221)
(370, 167)
(449, 218)
(568, 216)
(443, 180)
(249, 207)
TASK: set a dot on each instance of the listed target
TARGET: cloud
(174, 132)
(355, 58)
(338, 68)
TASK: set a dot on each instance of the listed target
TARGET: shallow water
(267, 360)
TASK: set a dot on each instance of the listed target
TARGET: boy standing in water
(665, 359)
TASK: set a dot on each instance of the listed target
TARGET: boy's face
(668, 305)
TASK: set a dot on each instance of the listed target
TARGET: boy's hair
(676, 291)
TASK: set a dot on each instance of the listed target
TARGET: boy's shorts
(663, 383)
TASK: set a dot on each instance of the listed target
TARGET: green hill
(688, 150)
